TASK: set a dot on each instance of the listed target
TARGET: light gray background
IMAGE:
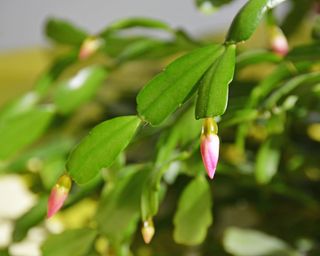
(21, 21)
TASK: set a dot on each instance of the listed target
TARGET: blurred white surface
(15, 199)
(21, 22)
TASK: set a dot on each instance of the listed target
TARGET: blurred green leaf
(4, 252)
(289, 86)
(51, 170)
(19, 105)
(141, 48)
(193, 216)
(150, 199)
(249, 242)
(178, 136)
(168, 90)
(59, 65)
(268, 159)
(22, 129)
(305, 52)
(248, 19)
(120, 208)
(209, 6)
(134, 22)
(213, 91)
(255, 57)
(75, 242)
(272, 81)
(50, 149)
(240, 116)
(72, 93)
(101, 147)
(64, 32)
(30, 219)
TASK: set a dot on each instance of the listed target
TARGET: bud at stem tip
(147, 230)
(209, 146)
(58, 195)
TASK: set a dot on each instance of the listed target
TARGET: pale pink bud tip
(58, 195)
(89, 47)
(278, 41)
(210, 146)
(210, 153)
(147, 231)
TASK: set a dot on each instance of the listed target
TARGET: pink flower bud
(89, 47)
(278, 41)
(59, 194)
(147, 231)
(210, 146)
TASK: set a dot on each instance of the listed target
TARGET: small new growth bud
(278, 41)
(59, 194)
(89, 47)
(210, 146)
(147, 230)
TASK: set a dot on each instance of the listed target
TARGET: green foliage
(12, 129)
(141, 22)
(213, 91)
(169, 89)
(255, 57)
(248, 19)
(269, 138)
(75, 242)
(193, 216)
(64, 32)
(30, 219)
(209, 6)
(268, 159)
(119, 209)
(105, 142)
(74, 92)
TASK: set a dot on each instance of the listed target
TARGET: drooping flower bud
(59, 194)
(278, 41)
(147, 230)
(210, 146)
(89, 47)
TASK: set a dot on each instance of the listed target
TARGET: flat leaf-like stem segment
(135, 22)
(248, 19)
(168, 90)
(101, 147)
(79, 89)
(214, 87)
(22, 128)
(268, 159)
(63, 32)
(119, 210)
(75, 242)
(193, 216)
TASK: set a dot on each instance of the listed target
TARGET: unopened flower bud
(147, 230)
(59, 194)
(89, 47)
(278, 41)
(210, 146)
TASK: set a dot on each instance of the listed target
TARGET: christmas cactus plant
(140, 153)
